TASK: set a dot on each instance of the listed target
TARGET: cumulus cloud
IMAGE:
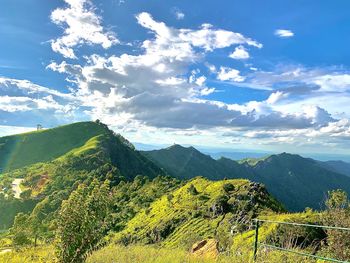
(231, 74)
(81, 26)
(152, 88)
(161, 87)
(284, 33)
(239, 53)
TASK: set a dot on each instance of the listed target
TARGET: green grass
(153, 254)
(146, 254)
(42, 146)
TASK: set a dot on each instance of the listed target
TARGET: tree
(20, 231)
(82, 221)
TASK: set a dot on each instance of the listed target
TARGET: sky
(250, 75)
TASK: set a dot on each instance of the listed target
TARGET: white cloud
(10, 130)
(230, 74)
(179, 15)
(25, 87)
(284, 33)
(239, 53)
(81, 26)
(160, 89)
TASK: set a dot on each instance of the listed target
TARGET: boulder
(207, 248)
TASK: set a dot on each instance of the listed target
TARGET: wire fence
(258, 244)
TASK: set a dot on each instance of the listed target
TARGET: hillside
(200, 209)
(106, 156)
(295, 181)
(25, 149)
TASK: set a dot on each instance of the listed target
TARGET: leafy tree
(82, 221)
(20, 231)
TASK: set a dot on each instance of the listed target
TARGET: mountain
(298, 182)
(337, 166)
(20, 150)
(236, 155)
(50, 180)
(186, 162)
(295, 181)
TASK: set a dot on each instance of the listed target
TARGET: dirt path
(15, 187)
(5, 251)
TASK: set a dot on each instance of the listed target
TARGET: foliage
(129, 198)
(20, 231)
(83, 221)
(13, 206)
(185, 218)
(337, 214)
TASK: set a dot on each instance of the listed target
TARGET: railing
(257, 244)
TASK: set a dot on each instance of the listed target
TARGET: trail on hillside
(15, 187)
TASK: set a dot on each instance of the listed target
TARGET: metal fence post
(256, 238)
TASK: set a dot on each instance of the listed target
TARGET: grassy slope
(181, 218)
(41, 146)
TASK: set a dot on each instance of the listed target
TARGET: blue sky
(252, 75)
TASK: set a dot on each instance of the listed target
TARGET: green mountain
(20, 150)
(187, 162)
(295, 181)
(298, 182)
(105, 156)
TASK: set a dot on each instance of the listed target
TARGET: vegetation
(295, 181)
(187, 163)
(103, 198)
(41, 146)
(83, 221)
(337, 214)
(198, 210)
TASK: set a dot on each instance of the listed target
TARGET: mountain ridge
(295, 181)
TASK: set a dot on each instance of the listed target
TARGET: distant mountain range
(295, 181)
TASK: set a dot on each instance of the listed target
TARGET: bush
(82, 222)
(337, 214)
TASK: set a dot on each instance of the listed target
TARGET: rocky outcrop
(207, 248)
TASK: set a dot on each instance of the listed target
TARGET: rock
(207, 248)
